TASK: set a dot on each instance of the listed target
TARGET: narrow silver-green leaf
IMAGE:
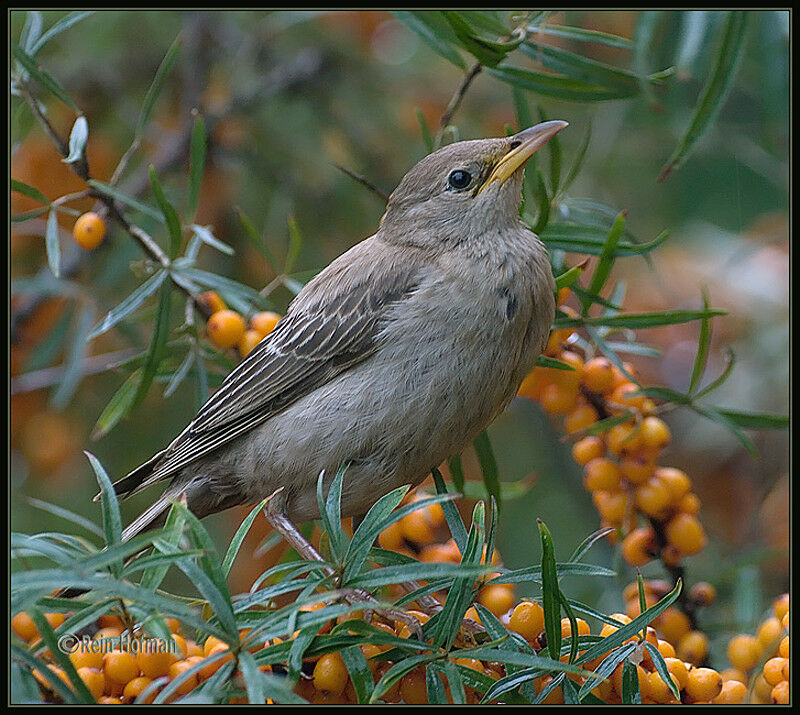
(52, 244)
(157, 85)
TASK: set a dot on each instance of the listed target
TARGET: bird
(392, 359)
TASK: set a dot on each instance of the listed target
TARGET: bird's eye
(459, 179)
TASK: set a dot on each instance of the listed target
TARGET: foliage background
(296, 93)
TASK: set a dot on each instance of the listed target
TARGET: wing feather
(333, 324)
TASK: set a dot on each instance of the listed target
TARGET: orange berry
(532, 384)
(602, 474)
(108, 620)
(623, 439)
(675, 481)
(693, 648)
(134, 688)
(781, 606)
(498, 598)
(330, 674)
(773, 670)
(23, 625)
(780, 693)
(637, 468)
(673, 624)
(562, 296)
(657, 690)
(611, 505)
(413, 689)
(639, 546)
(598, 375)
(176, 670)
(666, 649)
(652, 497)
(527, 619)
(654, 433)
(109, 700)
(120, 666)
(557, 400)
(762, 689)
(733, 674)
(391, 537)
(703, 684)
(678, 670)
(211, 301)
(154, 663)
(566, 627)
(580, 418)
(94, 680)
(743, 651)
(249, 340)
(732, 693)
(86, 657)
(689, 504)
(783, 649)
(416, 528)
(89, 230)
(264, 322)
(557, 337)
(703, 593)
(213, 666)
(225, 328)
(587, 449)
(686, 533)
(624, 396)
(471, 663)
(768, 633)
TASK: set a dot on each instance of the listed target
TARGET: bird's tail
(131, 482)
(148, 516)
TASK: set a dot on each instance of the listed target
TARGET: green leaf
(568, 277)
(170, 214)
(718, 85)
(488, 465)
(112, 521)
(550, 85)
(31, 29)
(551, 593)
(755, 420)
(588, 542)
(638, 321)
(722, 419)
(630, 685)
(127, 306)
(197, 161)
(607, 666)
(661, 668)
(486, 50)
(256, 239)
(238, 537)
(204, 235)
(52, 243)
(63, 513)
(434, 29)
(157, 85)
(701, 358)
(578, 161)
(434, 686)
(130, 201)
(73, 370)
(427, 137)
(173, 528)
(606, 261)
(581, 238)
(695, 26)
(118, 407)
(43, 78)
(77, 140)
(63, 24)
(156, 350)
(360, 674)
(456, 469)
(580, 34)
(453, 518)
(29, 191)
(295, 244)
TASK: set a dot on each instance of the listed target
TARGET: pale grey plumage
(394, 357)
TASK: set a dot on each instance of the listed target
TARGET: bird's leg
(275, 513)
(429, 605)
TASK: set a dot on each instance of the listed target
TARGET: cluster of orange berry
(117, 675)
(621, 463)
(764, 657)
(89, 230)
(228, 329)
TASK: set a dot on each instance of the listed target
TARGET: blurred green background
(287, 95)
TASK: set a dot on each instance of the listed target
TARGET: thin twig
(455, 101)
(46, 377)
(364, 182)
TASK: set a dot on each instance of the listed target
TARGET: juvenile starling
(393, 358)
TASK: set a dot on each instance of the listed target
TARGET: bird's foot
(356, 596)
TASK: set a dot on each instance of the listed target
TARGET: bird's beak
(525, 145)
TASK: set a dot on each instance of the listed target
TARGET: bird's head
(464, 188)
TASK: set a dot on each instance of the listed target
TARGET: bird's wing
(333, 324)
